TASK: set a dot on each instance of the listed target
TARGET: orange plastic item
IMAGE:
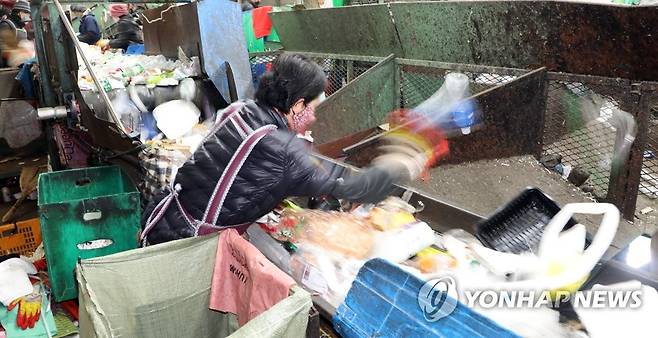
(22, 237)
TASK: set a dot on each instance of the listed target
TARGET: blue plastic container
(383, 302)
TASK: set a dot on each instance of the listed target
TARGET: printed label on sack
(312, 279)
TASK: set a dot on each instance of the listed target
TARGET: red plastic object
(71, 306)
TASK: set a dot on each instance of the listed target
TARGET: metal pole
(47, 95)
(99, 87)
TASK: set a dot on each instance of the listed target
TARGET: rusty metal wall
(359, 30)
(572, 37)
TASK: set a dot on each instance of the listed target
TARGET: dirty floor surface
(484, 186)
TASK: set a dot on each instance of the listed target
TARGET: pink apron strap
(230, 173)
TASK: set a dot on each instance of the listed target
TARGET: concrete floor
(484, 186)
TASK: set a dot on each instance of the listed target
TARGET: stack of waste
(325, 251)
(156, 100)
(117, 70)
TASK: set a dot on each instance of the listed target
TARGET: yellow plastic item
(428, 252)
(387, 220)
(20, 238)
(557, 268)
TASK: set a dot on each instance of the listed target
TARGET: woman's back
(266, 177)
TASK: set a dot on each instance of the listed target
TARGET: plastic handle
(602, 240)
(92, 216)
(13, 227)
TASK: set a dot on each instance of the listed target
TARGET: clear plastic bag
(324, 272)
(342, 233)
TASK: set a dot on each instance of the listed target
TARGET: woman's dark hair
(292, 77)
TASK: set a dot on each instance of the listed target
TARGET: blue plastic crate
(383, 303)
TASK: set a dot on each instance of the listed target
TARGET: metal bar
(552, 76)
(398, 84)
(634, 168)
(99, 87)
(589, 79)
(48, 96)
(462, 67)
(260, 54)
(334, 148)
(64, 75)
(350, 70)
(363, 58)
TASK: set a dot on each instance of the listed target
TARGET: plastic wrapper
(324, 272)
(342, 233)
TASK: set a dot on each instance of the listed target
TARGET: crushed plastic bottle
(463, 116)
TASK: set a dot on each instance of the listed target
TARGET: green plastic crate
(79, 210)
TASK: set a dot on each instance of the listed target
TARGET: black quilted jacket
(280, 166)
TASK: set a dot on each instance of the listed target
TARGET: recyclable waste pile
(166, 119)
(324, 251)
(116, 70)
(329, 247)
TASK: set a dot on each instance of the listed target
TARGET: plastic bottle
(463, 116)
(439, 107)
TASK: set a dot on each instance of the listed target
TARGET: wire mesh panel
(260, 63)
(418, 83)
(579, 127)
(649, 174)
(339, 71)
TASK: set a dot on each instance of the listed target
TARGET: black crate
(519, 225)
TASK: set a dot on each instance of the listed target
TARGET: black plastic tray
(519, 225)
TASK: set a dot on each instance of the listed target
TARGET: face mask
(303, 120)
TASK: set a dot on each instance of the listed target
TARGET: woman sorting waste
(127, 30)
(253, 158)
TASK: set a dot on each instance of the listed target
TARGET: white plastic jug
(560, 270)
